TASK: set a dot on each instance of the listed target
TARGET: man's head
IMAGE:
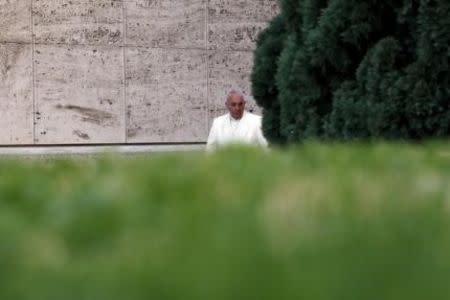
(235, 104)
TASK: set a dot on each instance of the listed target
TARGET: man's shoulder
(253, 117)
(220, 119)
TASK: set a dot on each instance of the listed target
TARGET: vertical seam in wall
(158, 67)
(33, 83)
(207, 65)
(157, 55)
(124, 62)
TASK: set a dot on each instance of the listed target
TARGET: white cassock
(226, 130)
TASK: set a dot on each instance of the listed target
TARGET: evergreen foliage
(355, 69)
(269, 46)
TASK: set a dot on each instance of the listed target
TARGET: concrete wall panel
(182, 87)
(80, 99)
(166, 94)
(123, 71)
(229, 36)
(98, 22)
(166, 23)
(235, 24)
(142, 94)
(238, 11)
(15, 21)
(16, 99)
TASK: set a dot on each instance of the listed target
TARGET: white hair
(235, 92)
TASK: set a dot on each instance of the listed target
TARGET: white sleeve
(260, 139)
(211, 144)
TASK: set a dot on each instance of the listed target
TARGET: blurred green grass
(315, 222)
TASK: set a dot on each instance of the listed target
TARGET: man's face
(236, 106)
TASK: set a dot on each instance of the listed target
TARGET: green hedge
(320, 222)
(355, 70)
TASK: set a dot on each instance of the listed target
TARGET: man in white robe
(237, 126)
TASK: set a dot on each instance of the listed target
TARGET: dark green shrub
(352, 69)
(264, 89)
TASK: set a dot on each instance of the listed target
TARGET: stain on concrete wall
(122, 71)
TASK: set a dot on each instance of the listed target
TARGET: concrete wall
(122, 71)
